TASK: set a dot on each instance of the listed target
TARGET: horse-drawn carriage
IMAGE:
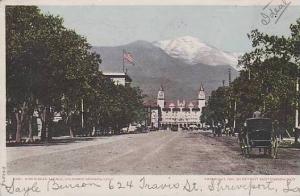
(258, 133)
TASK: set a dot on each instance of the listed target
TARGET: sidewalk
(59, 144)
(62, 144)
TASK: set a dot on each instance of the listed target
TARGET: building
(119, 78)
(151, 118)
(180, 114)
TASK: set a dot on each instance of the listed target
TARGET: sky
(224, 27)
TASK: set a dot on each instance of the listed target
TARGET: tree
(217, 108)
(44, 62)
(271, 71)
(266, 82)
(27, 58)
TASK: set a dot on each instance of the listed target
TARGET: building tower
(201, 97)
(161, 97)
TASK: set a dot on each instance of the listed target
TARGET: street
(161, 152)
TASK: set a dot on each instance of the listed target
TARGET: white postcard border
(88, 185)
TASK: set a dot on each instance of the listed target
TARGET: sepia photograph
(152, 89)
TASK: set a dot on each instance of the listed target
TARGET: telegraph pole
(249, 74)
(297, 111)
(234, 115)
(229, 76)
(234, 107)
(297, 91)
(297, 85)
(123, 61)
(82, 114)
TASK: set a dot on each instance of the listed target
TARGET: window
(176, 109)
(166, 109)
(185, 109)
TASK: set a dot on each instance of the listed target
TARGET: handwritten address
(247, 187)
(272, 13)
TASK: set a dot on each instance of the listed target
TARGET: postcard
(150, 97)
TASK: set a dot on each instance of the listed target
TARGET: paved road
(162, 152)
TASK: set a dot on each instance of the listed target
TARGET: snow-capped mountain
(192, 51)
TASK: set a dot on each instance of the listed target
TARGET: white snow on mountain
(192, 51)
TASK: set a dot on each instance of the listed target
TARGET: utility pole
(297, 111)
(234, 116)
(229, 76)
(123, 61)
(297, 91)
(249, 74)
(230, 96)
(297, 84)
(82, 114)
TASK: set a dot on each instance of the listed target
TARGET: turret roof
(201, 87)
(161, 88)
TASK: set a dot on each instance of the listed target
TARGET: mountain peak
(188, 38)
(193, 51)
(140, 42)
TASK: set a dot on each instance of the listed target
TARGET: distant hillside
(155, 67)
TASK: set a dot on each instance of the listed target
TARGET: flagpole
(123, 61)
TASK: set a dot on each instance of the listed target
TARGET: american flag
(128, 58)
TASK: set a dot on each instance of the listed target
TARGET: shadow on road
(63, 140)
(59, 141)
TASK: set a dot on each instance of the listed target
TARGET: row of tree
(50, 68)
(267, 83)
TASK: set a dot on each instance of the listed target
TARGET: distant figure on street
(256, 114)
(218, 130)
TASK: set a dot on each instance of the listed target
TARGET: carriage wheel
(247, 152)
(241, 143)
(242, 149)
(274, 148)
(247, 148)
